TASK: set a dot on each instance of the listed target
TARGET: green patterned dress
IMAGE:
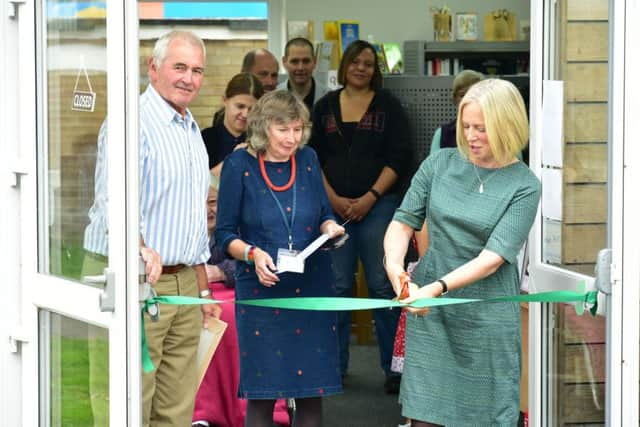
(462, 362)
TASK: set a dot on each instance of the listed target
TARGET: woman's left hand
(332, 228)
(416, 293)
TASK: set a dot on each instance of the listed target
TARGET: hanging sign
(83, 100)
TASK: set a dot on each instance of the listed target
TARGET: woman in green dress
(462, 362)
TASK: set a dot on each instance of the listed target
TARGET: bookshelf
(429, 58)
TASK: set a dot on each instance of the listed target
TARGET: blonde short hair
(505, 118)
(280, 107)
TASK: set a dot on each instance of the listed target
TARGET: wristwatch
(444, 286)
(205, 293)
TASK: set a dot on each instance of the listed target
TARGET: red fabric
(216, 400)
(397, 361)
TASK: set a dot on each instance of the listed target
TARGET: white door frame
(623, 366)
(623, 349)
(42, 291)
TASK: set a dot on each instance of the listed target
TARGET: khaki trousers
(168, 393)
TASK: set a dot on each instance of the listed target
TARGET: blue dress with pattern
(283, 353)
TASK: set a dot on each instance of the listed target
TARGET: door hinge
(13, 6)
(18, 335)
(18, 169)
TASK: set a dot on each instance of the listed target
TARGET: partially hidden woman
(271, 204)
(361, 135)
(462, 362)
(229, 128)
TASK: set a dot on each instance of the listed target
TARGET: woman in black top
(230, 122)
(361, 136)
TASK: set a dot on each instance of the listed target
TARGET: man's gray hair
(162, 44)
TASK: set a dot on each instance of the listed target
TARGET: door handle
(146, 291)
(108, 281)
(603, 271)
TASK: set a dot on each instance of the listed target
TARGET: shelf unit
(487, 57)
(428, 102)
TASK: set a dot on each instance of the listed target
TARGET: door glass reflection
(576, 375)
(75, 372)
(76, 101)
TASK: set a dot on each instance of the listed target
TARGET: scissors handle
(404, 283)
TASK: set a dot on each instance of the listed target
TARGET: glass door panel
(77, 356)
(79, 363)
(76, 94)
(575, 208)
(74, 365)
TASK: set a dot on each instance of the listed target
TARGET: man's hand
(209, 311)
(153, 264)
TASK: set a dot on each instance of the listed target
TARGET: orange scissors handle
(404, 283)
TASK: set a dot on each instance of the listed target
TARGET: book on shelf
(443, 67)
(382, 60)
(327, 56)
(348, 32)
(393, 55)
(330, 30)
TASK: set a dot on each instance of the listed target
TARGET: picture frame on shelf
(467, 26)
(348, 32)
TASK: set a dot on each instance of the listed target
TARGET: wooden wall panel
(585, 122)
(585, 204)
(575, 75)
(581, 242)
(587, 403)
(587, 41)
(578, 329)
(587, 10)
(585, 163)
(585, 363)
(586, 269)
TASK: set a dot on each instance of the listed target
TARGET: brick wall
(73, 134)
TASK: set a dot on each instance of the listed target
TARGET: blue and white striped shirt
(174, 181)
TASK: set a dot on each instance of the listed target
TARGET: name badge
(288, 261)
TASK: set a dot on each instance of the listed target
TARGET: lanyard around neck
(283, 214)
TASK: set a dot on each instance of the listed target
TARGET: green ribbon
(581, 299)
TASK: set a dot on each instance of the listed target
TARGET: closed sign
(83, 101)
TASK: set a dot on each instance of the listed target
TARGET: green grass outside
(80, 395)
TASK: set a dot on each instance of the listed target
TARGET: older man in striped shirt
(174, 181)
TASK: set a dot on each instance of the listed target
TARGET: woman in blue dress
(272, 203)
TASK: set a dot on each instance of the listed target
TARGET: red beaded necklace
(285, 187)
